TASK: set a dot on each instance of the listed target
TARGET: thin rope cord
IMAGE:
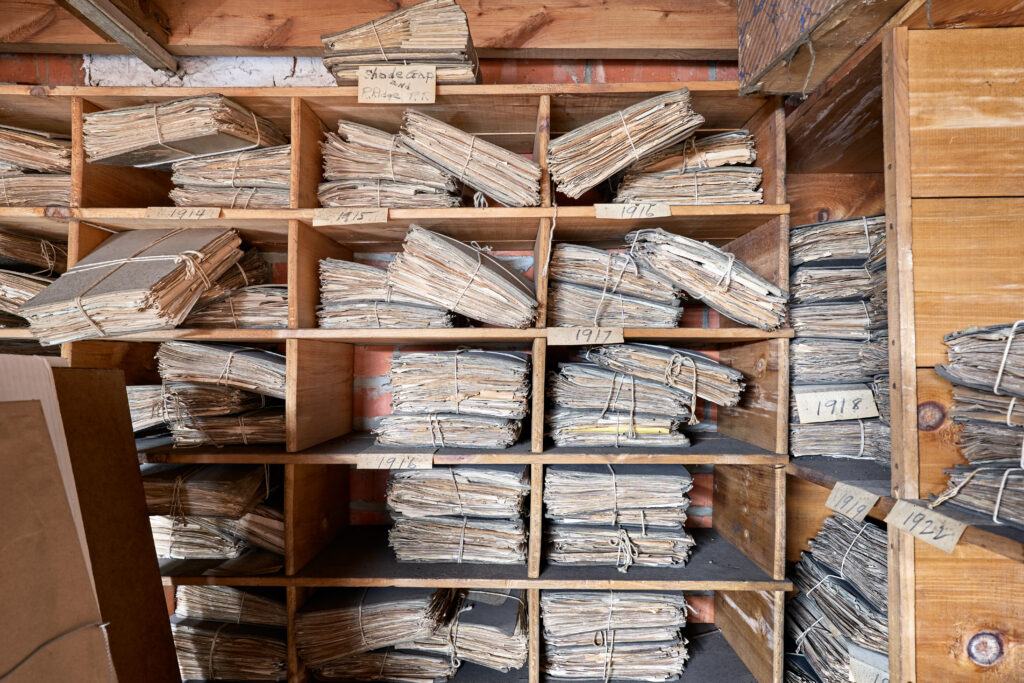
(102, 626)
(1006, 353)
(636, 155)
(373, 25)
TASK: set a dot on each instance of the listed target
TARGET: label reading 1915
(349, 216)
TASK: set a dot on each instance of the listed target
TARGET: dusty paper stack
(358, 295)
(593, 153)
(607, 635)
(250, 179)
(134, 281)
(242, 367)
(415, 634)
(434, 32)
(841, 610)
(364, 167)
(247, 271)
(211, 650)
(35, 168)
(598, 288)
(49, 256)
(35, 189)
(459, 514)
(160, 133)
(259, 307)
(154, 404)
(505, 176)
(851, 239)
(986, 367)
(711, 275)
(17, 288)
(224, 603)
(456, 399)
(463, 279)
(623, 516)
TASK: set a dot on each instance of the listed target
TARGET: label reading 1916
(928, 525)
(628, 211)
(582, 336)
(381, 461)
(851, 501)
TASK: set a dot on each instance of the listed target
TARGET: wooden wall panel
(747, 620)
(746, 504)
(761, 416)
(967, 140)
(936, 433)
(315, 508)
(805, 513)
(966, 268)
(818, 197)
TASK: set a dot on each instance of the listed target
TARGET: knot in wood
(985, 648)
(930, 416)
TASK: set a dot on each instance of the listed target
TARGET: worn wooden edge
(536, 540)
(482, 582)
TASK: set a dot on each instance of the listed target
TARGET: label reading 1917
(928, 525)
(851, 501)
(397, 84)
(582, 336)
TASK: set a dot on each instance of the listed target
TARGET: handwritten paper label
(348, 216)
(831, 402)
(398, 84)
(183, 213)
(383, 461)
(852, 501)
(632, 210)
(571, 336)
(863, 672)
(928, 525)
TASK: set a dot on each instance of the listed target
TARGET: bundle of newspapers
(250, 179)
(221, 650)
(359, 295)
(841, 612)
(456, 399)
(35, 168)
(432, 33)
(986, 367)
(364, 167)
(46, 256)
(460, 514)
(608, 635)
(233, 605)
(258, 307)
(411, 634)
(622, 516)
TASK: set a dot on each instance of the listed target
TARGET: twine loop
(1006, 353)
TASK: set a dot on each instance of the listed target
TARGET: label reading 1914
(183, 213)
(582, 336)
(851, 501)
(398, 84)
(382, 461)
(928, 525)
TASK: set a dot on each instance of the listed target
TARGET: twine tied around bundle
(469, 282)
(609, 639)
(842, 564)
(469, 157)
(373, 25)
(725, 281)
(1006, 354)
(636, 155)
(458, 493)
(462, 539)
(432, 421)
(627, 551)
(213, 646)
(159, 134)
(226, 370)
(672, 367)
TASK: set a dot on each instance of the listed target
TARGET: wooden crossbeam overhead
(556, 29)
(137, 25)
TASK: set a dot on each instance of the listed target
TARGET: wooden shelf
(866, 474)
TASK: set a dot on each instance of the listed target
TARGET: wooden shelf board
(1001, 539)
(18, 333)
(706, 449)
(40, 221)
(866, 474)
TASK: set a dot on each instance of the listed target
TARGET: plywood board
(745, 505)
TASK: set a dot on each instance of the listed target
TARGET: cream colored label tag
(631, 211)
(348, 216)
(572, 336)
(851, 501)
(407, 461)
(183, 213)
(866, 672)
(398, 84)
(832, 402)
(928, 525)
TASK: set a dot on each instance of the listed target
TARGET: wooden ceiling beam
(137, 25)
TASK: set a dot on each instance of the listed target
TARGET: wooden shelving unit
(740, 558)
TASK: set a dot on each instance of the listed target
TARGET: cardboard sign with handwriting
(397, 84)
(572, 336)
(348, 216)
(628, 211)
(832, 402)
(851, 501)
(928, 525)
(383, 461)
(183, 213)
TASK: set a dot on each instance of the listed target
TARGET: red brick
(532, 70)
(361, 485)
(705, 607)
(372, 361)
(702, 489)
(647, 71)
(279, 273)
(29, 69)
(727, 71)
(371, 402)
(169, 599)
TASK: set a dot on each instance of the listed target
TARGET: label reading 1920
(408, 461)
(928, 525)
(851, 501)
(582, 336)
(627, 211)
(397, 84)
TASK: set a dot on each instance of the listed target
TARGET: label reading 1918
(383, 461)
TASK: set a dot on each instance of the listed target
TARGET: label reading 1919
(851, 501)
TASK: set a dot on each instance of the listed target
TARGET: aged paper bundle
(713, 276)
(389, 665)
(858, 549)
(251, 179)
(183, 539)
(881, 389)
(17, 288)
(262, 527)
(379, 314)
(259, 307)
(994, 490)
(689, 373)
(813, 284)
(161, 133)
(609, 271)
(573, 618)
(867, 439)
(211, 650)
(617, 546)
(817, 639)
(22, 149)
(153, 404)
(266, 425)
(630, 661)
(849, 239)
(463, 540)
(505, 176)
(852, 320)
(135, 281)
(204, 490)
(249, 270)
(35, 189)
(712, 151)
(828, 361)
(569, 427)
(461, 278)
(497, 491)
(380, 192)
(432, 32)
(587, 386)
(49, 255)
(241, 367)
(571, 305)
(594, 152)
(224, 603)
(359, 295)
(464, 382)
(447, 430)
(692, 187)
(231, 198)
(854, 617)
(987, 358)
(636, 495)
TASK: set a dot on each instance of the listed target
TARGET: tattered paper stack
(17, 288)
(462, 399)
(735, 147)
(224, 603)
(35, 189)
(594, 152)
(251, 179)
(358, 295)
(252, 269)
(827, 653)
(160, 133)
(262, 426)
(622, 516)
(570, 427)
(134, 281)
(507, 177)
(364, 167)
(986, 368)
(212, 650)
(606, 635)
(411, 630)
(589, 387)
(50, 256)
(241, 367)
(861, 439)
(711, 275)
(204, 490)
(434, 32)
(828, 361)
(35, 168)
(462, 514)
(463, 279)
(259, 307)
(851, 239)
